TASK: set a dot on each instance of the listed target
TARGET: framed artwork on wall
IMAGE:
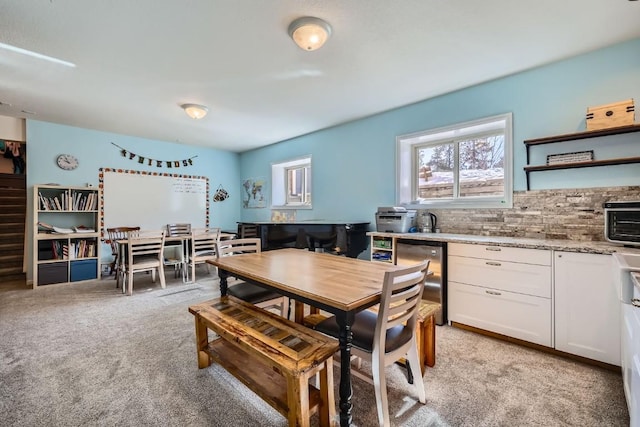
(254, 193)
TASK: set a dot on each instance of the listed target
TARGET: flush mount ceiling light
(195, 111)
(309, 33)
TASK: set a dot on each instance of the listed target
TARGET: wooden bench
(425, 330)
(283, 355)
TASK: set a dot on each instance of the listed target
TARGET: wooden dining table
(338, 285)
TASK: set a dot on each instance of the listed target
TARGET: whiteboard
(151, 200)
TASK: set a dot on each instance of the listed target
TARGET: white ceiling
(137, 61)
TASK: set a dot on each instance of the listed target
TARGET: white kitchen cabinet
(630, 355)
(587, 309)
(502, 289)
(512, 314)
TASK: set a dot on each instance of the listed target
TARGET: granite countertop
(516, 242)
(303, 222)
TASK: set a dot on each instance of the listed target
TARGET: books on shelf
(61, 250)
(65, 201)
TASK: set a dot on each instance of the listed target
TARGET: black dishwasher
(410, 252)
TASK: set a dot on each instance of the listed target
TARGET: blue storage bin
(85, 269)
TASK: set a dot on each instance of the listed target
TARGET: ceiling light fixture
(195, 111)
(309, 33)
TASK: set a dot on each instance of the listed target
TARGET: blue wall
(354, 164)
(94, 151)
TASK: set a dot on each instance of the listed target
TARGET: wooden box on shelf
(611, 115)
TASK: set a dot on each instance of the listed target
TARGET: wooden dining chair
(144, 253)
(202, 248)
(114, 234)
(249, 292)
(178, 249)
(389, 335)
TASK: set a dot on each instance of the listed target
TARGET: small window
(291, 187)
(468, 165)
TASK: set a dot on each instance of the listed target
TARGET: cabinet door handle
(493, 293)
(495, 264)
(635, 302)
(493, 249)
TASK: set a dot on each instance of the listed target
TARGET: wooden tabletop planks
(340, 282)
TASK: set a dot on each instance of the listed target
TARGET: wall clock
(67, 162)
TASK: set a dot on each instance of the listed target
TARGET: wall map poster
(254, 193)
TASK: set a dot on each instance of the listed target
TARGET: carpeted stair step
(9, 272)
(14, 236)
(13, 199)
(11, 227)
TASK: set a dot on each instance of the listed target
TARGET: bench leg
(298, 401)
(327, 410)
(202, 339)
(429, 338)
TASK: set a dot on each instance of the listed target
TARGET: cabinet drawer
(501, 253)
(526, 279)
(519, 316)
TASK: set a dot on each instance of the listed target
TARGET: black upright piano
(340, 238)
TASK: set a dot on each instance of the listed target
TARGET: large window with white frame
(291, 184)
(467, 165)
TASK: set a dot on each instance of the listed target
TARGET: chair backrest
(178, 230)
(238, 246)
(399, 305)
(147, 244)
(202, 230)
(246, 231)
(204, 241)
(119, 233)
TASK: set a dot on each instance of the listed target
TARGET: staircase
(13, 212)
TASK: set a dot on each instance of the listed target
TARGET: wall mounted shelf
(576, 136)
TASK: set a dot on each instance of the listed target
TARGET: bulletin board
(151, 200)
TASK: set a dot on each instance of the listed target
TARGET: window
(291, 187)
(468, 165)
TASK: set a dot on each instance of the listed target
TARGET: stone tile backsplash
(575, 214)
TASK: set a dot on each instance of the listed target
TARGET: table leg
(223, 275)
(345, 321)
(120, 280)
(183, 261)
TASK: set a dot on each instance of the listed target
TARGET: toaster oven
(622, 222)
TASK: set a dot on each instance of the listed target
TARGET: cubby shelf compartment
(65, 257)
(576, 136)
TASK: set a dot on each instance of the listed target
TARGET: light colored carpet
(84, 354)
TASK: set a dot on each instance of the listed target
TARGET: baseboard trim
(539, 347)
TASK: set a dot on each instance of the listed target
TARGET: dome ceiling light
(309, 33)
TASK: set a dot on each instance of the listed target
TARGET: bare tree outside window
(463, 165)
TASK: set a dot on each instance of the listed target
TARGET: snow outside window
(468, 165)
